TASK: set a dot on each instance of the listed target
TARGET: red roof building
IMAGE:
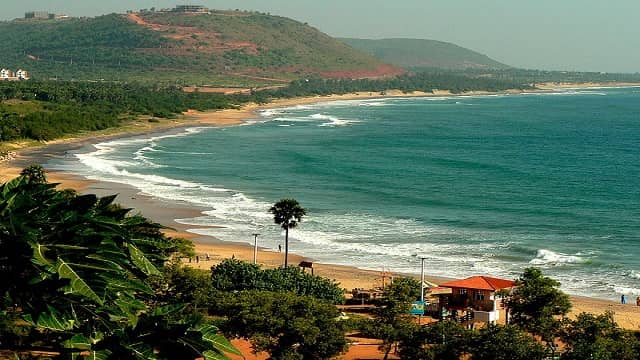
(481, 283)
(474, 300)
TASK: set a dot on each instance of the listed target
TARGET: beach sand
(164, 212)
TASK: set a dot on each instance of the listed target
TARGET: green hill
(416, 53)
(220, 48)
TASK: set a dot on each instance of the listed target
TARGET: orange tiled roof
(481, 283)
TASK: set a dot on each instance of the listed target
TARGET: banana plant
(77, 271)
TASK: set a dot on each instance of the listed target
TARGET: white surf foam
(552, 258)
(332, 121)
(626, 290)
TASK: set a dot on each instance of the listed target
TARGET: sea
(476, 185)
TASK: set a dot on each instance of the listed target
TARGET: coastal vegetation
(81, 278)
(534, 77)
(51, 109)
(46, 110)
(221, 48)
(91, 280)
(287, 213)
(415, 53)
(234, 275)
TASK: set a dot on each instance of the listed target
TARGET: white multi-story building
(22, 74)
(6, 74)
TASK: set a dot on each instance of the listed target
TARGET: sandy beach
(628, 316)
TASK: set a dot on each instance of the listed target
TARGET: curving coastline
(628, 316)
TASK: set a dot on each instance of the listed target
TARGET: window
(480, 296)
(463, 291)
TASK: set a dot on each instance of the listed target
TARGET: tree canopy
(284, 324)
(598, 337)
(235, 275)
(80, 271)
(536, 302)
(288, 214)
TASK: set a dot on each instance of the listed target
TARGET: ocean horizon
(478, 185)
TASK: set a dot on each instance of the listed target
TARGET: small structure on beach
(306, 265)
(474, 300)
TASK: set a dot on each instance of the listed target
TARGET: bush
(235, 275)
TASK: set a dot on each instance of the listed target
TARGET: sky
(582, 35)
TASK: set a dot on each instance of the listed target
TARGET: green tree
(186, 285)
(35, 174)
(80, 270)
(235, 275)
(444, 340)
(497, 342)
(598, 337)
(536, 303)
(287, 213)
(392, 319)
(285, 325)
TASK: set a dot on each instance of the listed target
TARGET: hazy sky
(589, 35)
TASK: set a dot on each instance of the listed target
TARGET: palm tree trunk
(387, 350)
(286, 247)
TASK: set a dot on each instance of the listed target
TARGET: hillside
(416, 53)
(220, 48)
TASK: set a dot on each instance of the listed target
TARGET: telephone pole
(255, 247)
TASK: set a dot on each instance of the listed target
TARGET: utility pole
(422, 279)
(255, 247)
(384, 275)
(421, 287)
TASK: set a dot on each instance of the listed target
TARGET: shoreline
(166, 213)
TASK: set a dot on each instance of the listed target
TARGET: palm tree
(287, 213)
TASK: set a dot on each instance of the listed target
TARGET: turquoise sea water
(478, 185)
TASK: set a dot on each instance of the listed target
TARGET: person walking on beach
(638, 301)
(623, 300)
(279, 247)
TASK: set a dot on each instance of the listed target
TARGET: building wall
(191, 8)
(36, 15)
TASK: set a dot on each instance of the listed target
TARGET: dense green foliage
(80, 279)
(286, 325)
(423, 81)
(187, 285)
(536, 302)
(392, 321)
(444, 340)
(178, 47)
(235, 275)
(599, 337)
(410, 53)
(280, 42)
(587, 337)
(52, 109)
(533, 77)
(495, 342)
(109, 40)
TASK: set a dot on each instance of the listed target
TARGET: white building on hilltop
(22, 74)
(6, 74)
